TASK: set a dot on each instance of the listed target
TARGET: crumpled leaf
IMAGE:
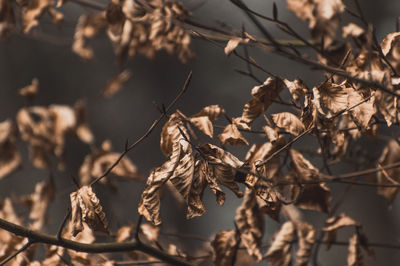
(279, 253)
(390, 155)
(171, 133)
(211, 111)
(32, 11)
(149, 205)
(250, 223)
(202, 120)
(85, 236)
(7, 19)
(96, 163)
(289, 122)
(306, 235)
(45, 128)
(333, 224)
(313, 196)
(352, 30)
(31, 90)
(116, 83)
(224, 247)
(354, 258)
(38, 203)
(86, 208)
(88, 26)
(232, 136)
(263, 96)
(297, 88)
(10, 158)
(391, 49)
(323, 17)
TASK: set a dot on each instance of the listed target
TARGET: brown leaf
(38, 203)
(263, 96)
(31, 90)
(116, 83)
(306, 238)
(354, 258)
(233, 43)
(211, 111)
(297, 88)
(32, 12)
(89, 25)
(56, 17)
(100, 160)
(352, 30)
(7, 20)
(149, 205)
(391, 49)
(323, 17)
(279, 253)
(289, 122)
(224, 247)
(85, 207)
(250, 223)
(203, 123)
(171, 133)
(334, 223)
(313, 196)
(83, 131)
(10, 158)
(86, 237)
(390, 155)
(232, 136)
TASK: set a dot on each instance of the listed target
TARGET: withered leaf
(334, 223)
(211, 111)
(263, 96)
(224, 247)
(297, 88)
(88, 26)
(171, 133)
(232, 136)
(10, 158)
(289, 122)
(250, 223)
(390, 155)
(203, 123)
(116, 83)
(86, 208)
(233, 43)
(391, 49)
(83, 131)
(323, 17)
(96, 163)
(313, 196)
(38, 203)
(85, 236)
(352, 30)
(306, 238)
(149, 205)
(33, 11)
(7, 20)
(31, 90)
(354, 258)
(279, 253)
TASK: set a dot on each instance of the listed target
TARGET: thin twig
(60, 230)
(12, 256)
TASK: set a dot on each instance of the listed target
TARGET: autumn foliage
(358, 98)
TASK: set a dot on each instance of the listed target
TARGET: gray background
(64, 78)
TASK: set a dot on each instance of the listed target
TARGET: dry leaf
(233, 43)
(289, 122)
(306, 235)
(10, 158)
(203, 123)
(86, 208)
(32, 12)
(354, 258)
(211, 111)
(313, 196)
(333, 224)
(391, 49)
(279, 253)
(149, 205)
(171, 133)
(352, 30)
(7, 19)
(250, 223)
(116, 83)
(86, 237)
(224, 247)
(232, 136)
(263, 96)
(390, 155)
(323, 17)
(297, 88)
(31, 90)
(89, 25)
(100, 160)
(38, 203)
(83, 131)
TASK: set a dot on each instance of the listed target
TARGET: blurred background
(65, 78)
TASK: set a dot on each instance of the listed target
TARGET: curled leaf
(306, 238)
(289, 122)
(224, 247)
(232, 136)
(86, 208)
(334, 223)
(279, 253)
(354, 258)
